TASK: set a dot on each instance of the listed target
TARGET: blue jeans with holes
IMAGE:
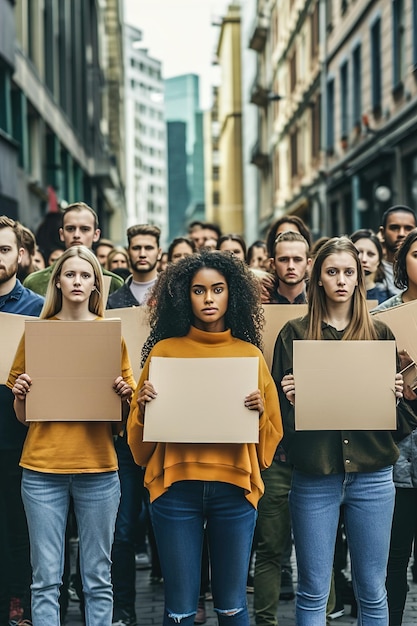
(179, 517)
(46, 499)
(368, 501)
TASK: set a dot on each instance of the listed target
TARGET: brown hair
(361, 326)
(143, 229)
(7, 222)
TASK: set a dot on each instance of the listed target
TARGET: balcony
(259, 33)
(258, 157)
(259, 95)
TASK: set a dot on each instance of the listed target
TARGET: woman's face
(118, 260)
(339, 277)
(411, 265)
(54, 256)
(259, 258)
(180, 251)
(368, 255)
(234, 247)
(209, 294)
(76, 280)
(38, 261)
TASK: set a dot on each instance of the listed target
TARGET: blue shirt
(22, 301)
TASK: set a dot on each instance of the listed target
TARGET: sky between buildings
(181, 35)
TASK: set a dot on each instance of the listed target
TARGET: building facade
(146, 142)
(337, 99)
(54, 127)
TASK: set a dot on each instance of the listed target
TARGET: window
(315, 131)
(357, 86)
(398, 43)
(330, 117)
(415, 33)
(329, 15)
(293, 71)
(315, 31)
(344, 92)
(294, 154)
(376, 83)
(5, 101)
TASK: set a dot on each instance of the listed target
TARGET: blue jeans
(179, 517)
(46, 499)
(368, 502)
(123, 555)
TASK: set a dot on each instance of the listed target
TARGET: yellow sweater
(69, 447)
(238, 464)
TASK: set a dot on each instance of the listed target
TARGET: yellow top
(69, 447)
(238, 464)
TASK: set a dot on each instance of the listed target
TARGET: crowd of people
(207, 518)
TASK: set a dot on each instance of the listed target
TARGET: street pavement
(150, 605)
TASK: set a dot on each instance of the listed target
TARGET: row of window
(154, 152)
(153, 132)
(147, 169)
(350, 73)
(149, 111)
(146, 69)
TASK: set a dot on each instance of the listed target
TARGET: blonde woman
(63, 459)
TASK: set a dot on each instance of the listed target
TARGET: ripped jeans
(178, 518)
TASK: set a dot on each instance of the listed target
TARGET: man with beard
(144, 253)
(79, 228)
(15, 571)
(397, 222)
(273, 572)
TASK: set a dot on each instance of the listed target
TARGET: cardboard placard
(199, 401)
(12, 327)
(276, 316)
(135, 331)
(106, 289)
(345, 385)
(402, 320)
(73, 366)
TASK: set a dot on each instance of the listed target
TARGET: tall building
(257, 210)
(229, 112)
(54, 98)
(146, 174)
(182, 105)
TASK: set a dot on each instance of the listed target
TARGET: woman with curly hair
(207, 305)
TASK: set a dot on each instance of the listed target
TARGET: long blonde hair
(361, 325)
(53, 297)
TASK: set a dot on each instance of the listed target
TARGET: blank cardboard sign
(345, 385)
(73, 366)
(202, 400)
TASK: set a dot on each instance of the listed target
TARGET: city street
(149, 607)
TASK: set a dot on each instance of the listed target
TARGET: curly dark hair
(400, 260)
(170, 312)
